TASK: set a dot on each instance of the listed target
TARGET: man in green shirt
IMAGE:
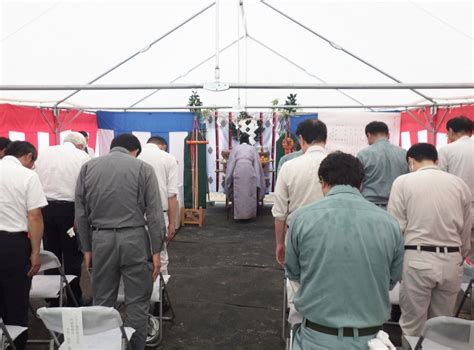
(288, 157)
(346, 253)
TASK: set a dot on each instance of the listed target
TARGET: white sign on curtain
(346, 131)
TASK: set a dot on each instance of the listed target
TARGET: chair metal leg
(33, 312)
(284, 311)
(160, 320)
(418, 345)
(124, 343)
(3, 342)
(464, 297)
(61, 291)
(68, 288)
(6, 339)
(165, 295)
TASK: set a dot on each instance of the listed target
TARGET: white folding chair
(8, 334)
(51, 286)
(289, 317)
(394, 296)
(102, 327)
(155, 322)
(445, 332)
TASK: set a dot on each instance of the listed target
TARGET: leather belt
(13, 233)
(54, 201)
(434, 249)
(94, 228)
(347, 332)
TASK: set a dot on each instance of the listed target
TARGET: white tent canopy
(73, 42)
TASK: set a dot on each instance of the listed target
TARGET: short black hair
(84, 133)
(244, 138)
(4, 142)
(128, 141)
(375, 128)
(312, 130)
(20, 148)
(157, 140)
(460, 124)
(422, 151)
(340, 168)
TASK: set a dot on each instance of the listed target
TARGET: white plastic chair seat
(47, 286)
(394, 294)
(155, 295)
(427, 343)
(106, 340)
(14, 331)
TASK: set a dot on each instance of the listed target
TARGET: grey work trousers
(124, 253)
(429, 288)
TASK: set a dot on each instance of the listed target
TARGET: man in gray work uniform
(383, 162)
(113, 195)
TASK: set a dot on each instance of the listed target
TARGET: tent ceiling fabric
(72, 42)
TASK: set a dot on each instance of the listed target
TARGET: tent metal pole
(340, 48)
(51, 127)
(79, 112)
(298, 86)
(430, 120)
(269, 107)
(188, 71)
(217, 72)
(442, 119)
(57, 136)
(146, 48)
(302, 68)
(412, 116)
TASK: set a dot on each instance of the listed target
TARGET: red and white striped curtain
(38, 125)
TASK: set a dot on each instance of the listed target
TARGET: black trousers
(58, 218)
(15, 251)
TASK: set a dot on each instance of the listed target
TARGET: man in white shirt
(458, 157)
(297, 185)
(21, 200)
(166, 170)
(58, 168)
(433, 209)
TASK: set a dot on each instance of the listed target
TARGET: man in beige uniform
(458, 157)
(433, 209)
(297, 185)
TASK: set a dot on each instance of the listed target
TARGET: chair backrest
(95, 319)
(48, 260)
(452, 332)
